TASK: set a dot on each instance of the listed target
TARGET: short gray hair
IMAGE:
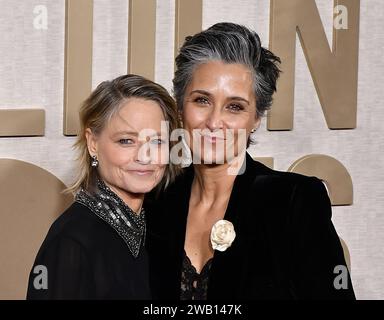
(230, 43)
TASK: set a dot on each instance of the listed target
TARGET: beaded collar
(109, 207)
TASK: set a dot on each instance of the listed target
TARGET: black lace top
(194, 286)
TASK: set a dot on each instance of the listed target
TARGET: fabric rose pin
(222, 235)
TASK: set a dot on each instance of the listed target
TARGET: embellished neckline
(203, 270)
(108, 206)
(194, 286)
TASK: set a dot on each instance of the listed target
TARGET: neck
(132, 200)
(213, 182)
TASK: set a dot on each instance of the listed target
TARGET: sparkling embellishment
(109, 207)
(95, 162)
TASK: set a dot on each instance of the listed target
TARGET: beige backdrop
(32, 76)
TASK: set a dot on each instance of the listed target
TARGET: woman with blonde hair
(95, 250)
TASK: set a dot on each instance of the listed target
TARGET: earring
(95, 162)
(180, 119)
(253, 130)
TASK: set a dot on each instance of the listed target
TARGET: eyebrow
(130, 133)
(210, 95)
(134, 133)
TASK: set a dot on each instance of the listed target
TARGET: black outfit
(286, 246)
(94, 250)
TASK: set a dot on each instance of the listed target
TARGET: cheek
(117, 156)
(242, 127)
(192, 117)
(161, 170)
(159, 154)
(159, 174)
(164, 155)
(239, 122)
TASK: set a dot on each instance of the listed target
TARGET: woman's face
(219, 111)
(132, 149)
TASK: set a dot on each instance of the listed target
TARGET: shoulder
(280, 197)
(77, 218)
(78, 224)
(260, 176)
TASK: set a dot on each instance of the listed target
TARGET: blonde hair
(104, 102)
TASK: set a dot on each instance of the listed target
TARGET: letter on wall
(31, 200)
(189, 20)
(142, 38)
(141, 48)
(78, 60)
(267, 161)
(347, 254)
(336, 177)
(334, 73)
(22, 122)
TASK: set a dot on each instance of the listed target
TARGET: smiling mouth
(142, 172)
(212, 139)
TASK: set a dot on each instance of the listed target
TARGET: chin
(211, 159)
(142, 184)
(139, 188)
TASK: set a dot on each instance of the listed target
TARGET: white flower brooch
(222, 235)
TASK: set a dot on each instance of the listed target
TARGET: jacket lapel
(179, 200)
(226, 266)
(226, 270)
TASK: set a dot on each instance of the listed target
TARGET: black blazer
(87, 259)
(286, 246)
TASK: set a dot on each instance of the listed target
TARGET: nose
(215, 121)
(143, 155)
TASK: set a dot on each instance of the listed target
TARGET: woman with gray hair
(229, 227)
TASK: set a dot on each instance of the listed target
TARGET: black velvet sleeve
(68, 271)
(316, 248)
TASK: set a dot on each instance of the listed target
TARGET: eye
(126, 141)
(201, 100)
(235, 107)
(157, 141)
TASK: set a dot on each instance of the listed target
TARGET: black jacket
(286, 246)
(87, 259)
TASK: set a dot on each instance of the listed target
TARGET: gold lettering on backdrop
(22, 122)
(347, 254)
(267, 161)
(332, 172)
(188, 20)
(334, 73)
(188, 16)
(31, 199)
(78, 60)
(142, 38)
(141, 49)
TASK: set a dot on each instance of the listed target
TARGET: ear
(257, 123)
(91, 142)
